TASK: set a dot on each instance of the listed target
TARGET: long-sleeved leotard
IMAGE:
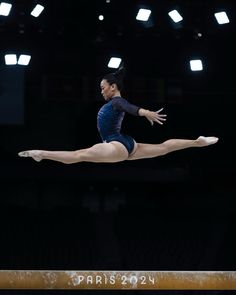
(109, 121)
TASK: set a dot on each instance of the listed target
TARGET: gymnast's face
(107, 90)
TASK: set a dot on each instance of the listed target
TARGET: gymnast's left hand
(156, 117)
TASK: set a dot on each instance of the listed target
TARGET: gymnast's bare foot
(204, 141)
(35, 154)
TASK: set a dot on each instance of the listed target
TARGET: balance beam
(118, 280)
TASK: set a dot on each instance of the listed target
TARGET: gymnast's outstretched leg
(144, 151)
(99, 153)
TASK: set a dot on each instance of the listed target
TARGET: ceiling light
(37, 10)
(143, 14)
(114, 62)
(222, 17)
(24, 59)
(196, 65)
(175, 16)
(5, 8)
(10, 59)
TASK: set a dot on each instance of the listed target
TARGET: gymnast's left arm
(123, 105)
(153, 116)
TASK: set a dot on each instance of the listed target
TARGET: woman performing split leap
(117, 146)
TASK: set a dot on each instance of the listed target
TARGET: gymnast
(116, 146)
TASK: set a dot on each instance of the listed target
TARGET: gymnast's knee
(86, 154)
(80, 155)
(165, 148)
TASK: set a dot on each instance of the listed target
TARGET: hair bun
(120, 73)
(116, 77)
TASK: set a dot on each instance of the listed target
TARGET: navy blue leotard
(109, 121)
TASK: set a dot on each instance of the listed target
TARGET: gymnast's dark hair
(116, 78)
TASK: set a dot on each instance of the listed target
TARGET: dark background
(175, 212)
